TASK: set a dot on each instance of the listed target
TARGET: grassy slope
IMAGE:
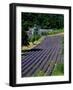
(32, 45)
(58, 70)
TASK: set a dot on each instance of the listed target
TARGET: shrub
(56, 31)
(25, 39)
(34, 38)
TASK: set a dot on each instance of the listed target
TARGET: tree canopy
(46, 21)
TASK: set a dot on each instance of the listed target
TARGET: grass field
(58, 70)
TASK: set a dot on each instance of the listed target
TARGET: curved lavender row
(31, 57)
(29, 53)
(38, 64)
(36, 46)
(50, 48)
(49, 61)
(32, 60)
(52, 64)
(56, 58)
(47, 43)
(31, 66)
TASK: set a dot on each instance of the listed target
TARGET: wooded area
(43, 21)
(47, 21)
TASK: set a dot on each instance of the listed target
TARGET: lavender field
(42, 59)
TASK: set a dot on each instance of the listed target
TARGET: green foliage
(34, 38)
(44, 33)
(43, 20)
(58, 70)
(25, 40)
(37, 37)
(39, 73)
(55, 31)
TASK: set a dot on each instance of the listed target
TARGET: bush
(56, 31)
(37, 37)
(25, 40)
(44, 33)
(34, 38)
